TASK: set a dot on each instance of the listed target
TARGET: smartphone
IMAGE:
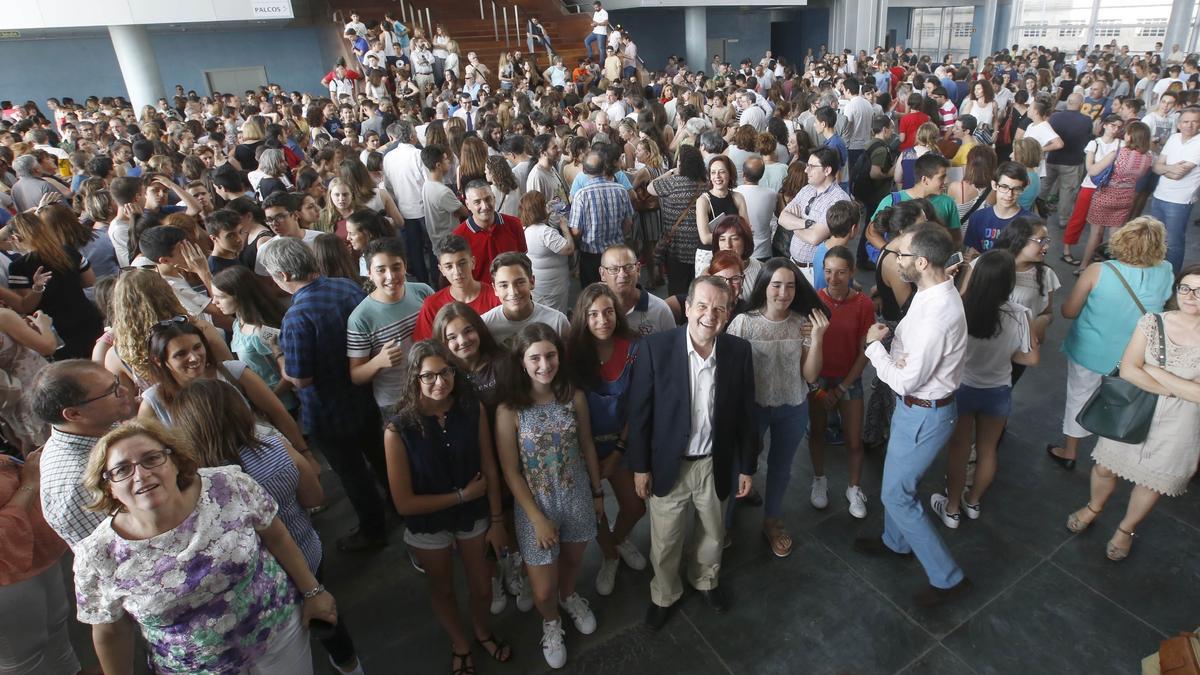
(955, 259)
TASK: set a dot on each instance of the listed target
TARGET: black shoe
(657, 615)
(752, 499)
(357, 542)
(934, 596)
(1068, 464)
(874, 546)
(715, 598)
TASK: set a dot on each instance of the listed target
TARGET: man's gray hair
(401, 130)
(711, 142)
(272, 162)
(24, 165)
(716, 282)
(289, 256)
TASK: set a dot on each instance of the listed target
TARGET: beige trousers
(669, 517)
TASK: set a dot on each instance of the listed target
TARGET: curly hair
(1141, 242)
(140, 299)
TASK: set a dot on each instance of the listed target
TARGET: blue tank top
(1099, 334)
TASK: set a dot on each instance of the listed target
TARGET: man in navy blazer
(692, 425)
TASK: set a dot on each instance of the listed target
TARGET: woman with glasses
(195, 558)
(602, 349)
(1165, 462)
(1112, 203)
(179, 354)
(731, 232)
(444, 480)
(785, 323)
(998, 335)
(731, 267)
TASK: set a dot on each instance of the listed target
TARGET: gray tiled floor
(1044, 601)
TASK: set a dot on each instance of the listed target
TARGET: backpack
(861, 183)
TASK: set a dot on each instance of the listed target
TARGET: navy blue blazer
(660, 417)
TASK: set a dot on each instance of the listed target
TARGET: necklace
(839, 303)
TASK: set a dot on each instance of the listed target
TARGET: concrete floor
(1044, 600)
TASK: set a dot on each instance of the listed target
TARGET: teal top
(255, 351)
(1098, 337)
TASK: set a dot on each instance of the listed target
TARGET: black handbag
(1120, 410)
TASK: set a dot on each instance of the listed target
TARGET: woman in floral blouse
(196, 558)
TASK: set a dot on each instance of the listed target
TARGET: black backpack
(861, 183)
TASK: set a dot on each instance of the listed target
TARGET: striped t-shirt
(374, 324)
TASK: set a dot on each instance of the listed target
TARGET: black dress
(76, 319)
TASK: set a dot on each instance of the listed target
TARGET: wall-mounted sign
(10, 34)
(271, 9)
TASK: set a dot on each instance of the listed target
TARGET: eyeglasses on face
(277, 218)
(1185, 290)
(124, 470)
(116, 387)
(1041, 241)
(617, 269)
(429, 376)
(1001, 187)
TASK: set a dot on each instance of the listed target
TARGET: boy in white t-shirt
(512, 278)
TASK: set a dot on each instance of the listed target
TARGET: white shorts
(1081, 384)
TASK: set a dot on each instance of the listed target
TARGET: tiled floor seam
(937, 643)
(1123, 608)
(708, 644)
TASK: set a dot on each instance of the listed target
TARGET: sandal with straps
(466, 665)
(777, 538)
(500, 651)
(1118, 553)
(1077, 524)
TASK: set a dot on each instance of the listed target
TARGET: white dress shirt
(927, 354)
(702, 379)
(405, 176)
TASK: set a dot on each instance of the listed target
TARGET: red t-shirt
(909, 125)
(504, 235)
(612, 369)
(897, 77)
(433, 304)
(842, 343)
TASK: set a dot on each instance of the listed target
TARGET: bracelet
(498, 518)
(315, 592)
(598, 494)
(458, 491)
(843, 389)
(35, 289)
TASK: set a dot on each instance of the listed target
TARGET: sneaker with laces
(631, 556)
(938, 502)
(820, 492)
(553, 647)
(858, 501)
(972, 510)
(416, 564)
(499, 598)
(607, 577)
(579, 611)
(518, 583)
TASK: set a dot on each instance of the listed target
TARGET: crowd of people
(480, 299)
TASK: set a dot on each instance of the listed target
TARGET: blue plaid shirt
(313, 337)
(598, 211)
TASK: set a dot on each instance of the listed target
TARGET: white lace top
(778, 356)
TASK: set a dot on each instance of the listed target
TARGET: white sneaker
(972, 510)
(631, 556)
(518, 583)
(938, 501)
(553, 647)
(607, 578)
(858, 501)
(499, 599)
(580, 613)
(357, 670)
(820, 492)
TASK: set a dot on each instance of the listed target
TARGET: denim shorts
(855, 392)
(435, 541)
(993, 401)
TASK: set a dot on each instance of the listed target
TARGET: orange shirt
(30, 546)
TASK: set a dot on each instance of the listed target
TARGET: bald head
(1074, 101)
(752, 170)
(593, 163)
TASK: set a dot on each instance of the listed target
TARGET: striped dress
(272, 467)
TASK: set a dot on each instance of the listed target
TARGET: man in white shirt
(599, 32)
(512, 279)
(858, 114)
(924, 369)
(647, 313)
(405, 176)
(466, 111)
(751, 113)
(1162, 121)
(760, 206)
(1176, 191)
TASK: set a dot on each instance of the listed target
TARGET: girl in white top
(998, 335)
(1027, 238)
(783, 309)
(549, 250)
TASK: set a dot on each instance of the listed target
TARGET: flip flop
(1069, 259)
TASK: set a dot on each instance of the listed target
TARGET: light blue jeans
(918, 435)
(1175, 217)
(597, 39)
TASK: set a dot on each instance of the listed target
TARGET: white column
(859, 23)
(695, 35)
(987, 30)
(139, 65)
(1178, 25)
(881, 16)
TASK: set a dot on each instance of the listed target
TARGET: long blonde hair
(43, 240)
(140, 299)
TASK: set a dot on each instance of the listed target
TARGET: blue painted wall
(295, 58)
(1003, 25)
(658, 34)
(899, 19)
(751, 29)
(809, 29)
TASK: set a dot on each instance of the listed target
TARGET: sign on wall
(87, 13)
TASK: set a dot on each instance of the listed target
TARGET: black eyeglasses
(277, 218)
(1186, 290)
(617, 269)
(116, 387)
(906, 255)
(1042, 241)
(124, 471)
(445, 374)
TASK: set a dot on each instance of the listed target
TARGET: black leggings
(339, 645)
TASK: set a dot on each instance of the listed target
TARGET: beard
(908, 274)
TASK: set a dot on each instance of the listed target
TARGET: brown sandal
(777, 538)
(1077, 524)
(1118, 553)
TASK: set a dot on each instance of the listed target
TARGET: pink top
(30, 547)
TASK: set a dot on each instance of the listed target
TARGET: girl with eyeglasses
(1165, 462)
(185, 550)
(444, 480)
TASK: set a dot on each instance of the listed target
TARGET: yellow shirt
(960, 157)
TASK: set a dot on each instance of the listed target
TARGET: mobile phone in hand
(955, 259)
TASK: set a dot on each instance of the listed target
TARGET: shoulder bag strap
(1124, 283)
(983, 194)
(670, 235)
(1162, 341)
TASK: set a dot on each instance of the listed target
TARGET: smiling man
(682, 454)
(457, 265)
(512, 279)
